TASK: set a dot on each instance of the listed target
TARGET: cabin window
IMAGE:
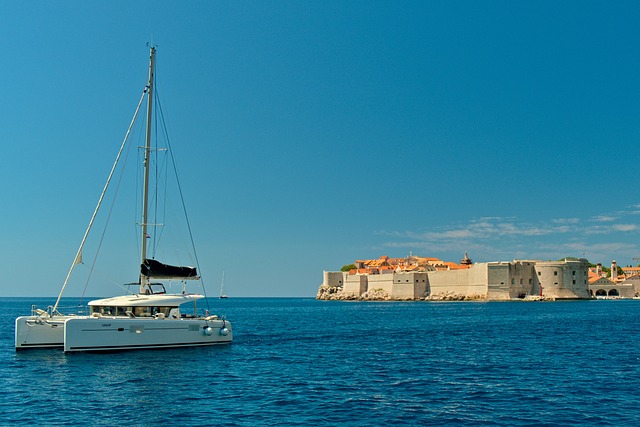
(105, 311)
(157, 288)
(122, 311)
(142, 311)
(164, 310)
(150, 311)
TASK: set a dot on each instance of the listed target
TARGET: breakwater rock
(452, 296)
(335, 293)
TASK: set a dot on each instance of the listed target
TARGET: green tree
(348, 267)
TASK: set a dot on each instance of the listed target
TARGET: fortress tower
(466, 260)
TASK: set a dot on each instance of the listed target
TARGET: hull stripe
(143, 346)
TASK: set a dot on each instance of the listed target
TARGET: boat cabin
(157, 305)
(140, 311)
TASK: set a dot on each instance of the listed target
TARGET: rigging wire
(104, 231)
(78, 256)
(184, 208)
(154, 244)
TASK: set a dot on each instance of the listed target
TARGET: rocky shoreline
(334, 293)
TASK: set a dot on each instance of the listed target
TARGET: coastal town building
(603, 287)
(415, 278)
(630, 271)
(613, 285)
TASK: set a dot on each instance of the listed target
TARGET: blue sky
(311, 134)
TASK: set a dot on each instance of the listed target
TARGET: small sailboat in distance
(222, 294)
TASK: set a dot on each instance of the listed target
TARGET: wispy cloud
(500, 238)
(625, 227)
(604, 218)
(566, 220)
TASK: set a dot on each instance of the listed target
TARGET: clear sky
(312, 133)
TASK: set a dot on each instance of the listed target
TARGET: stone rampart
(563, 279)
(530, 280)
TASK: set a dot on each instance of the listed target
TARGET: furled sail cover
(156, 269)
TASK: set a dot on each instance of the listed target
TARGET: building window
(539, 273)
(574, 282)
(555, 273)
(573, 272)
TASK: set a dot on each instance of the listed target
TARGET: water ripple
(298, 362)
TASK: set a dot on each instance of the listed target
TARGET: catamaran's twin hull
(118, 333)
(39, 332)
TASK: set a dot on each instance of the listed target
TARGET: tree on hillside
(348, 267)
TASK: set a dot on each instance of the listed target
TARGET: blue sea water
(301, 362)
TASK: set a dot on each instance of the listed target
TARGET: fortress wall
(498, 280)
(479, 280)
(563, 279)
(334, 278)
(576, 275)
(381, 281)
(404, 291)
(635, 282)
(508, 280)
(409, 285)
(526, 282)
(451, 281)
(493, 281)
(355, 284)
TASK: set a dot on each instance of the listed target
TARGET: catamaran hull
(38, 332)
(113, 334)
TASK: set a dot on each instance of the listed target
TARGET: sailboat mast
(147, 160)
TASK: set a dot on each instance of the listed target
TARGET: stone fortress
(416, 278)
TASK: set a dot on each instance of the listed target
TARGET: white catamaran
(148, 319)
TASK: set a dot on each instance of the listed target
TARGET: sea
(302, 362)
